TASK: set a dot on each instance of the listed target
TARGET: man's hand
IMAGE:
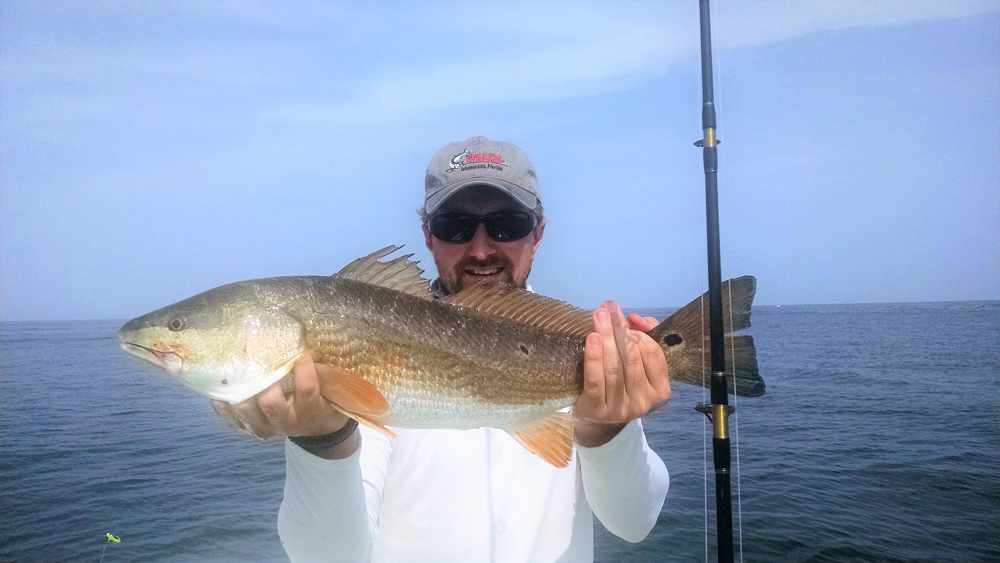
(291, 407)
(624, 376)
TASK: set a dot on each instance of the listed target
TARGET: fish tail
(684, 337)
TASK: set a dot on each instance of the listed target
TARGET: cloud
(747, 24)
(596, 48)
(390, 61)
(371, 65)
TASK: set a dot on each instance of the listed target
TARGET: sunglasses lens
(505, 227)
(454, 228)
(501, 227)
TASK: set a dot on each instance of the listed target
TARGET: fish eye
(177, 323)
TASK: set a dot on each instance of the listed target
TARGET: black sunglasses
(506, 226)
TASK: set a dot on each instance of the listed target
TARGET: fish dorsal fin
(401, 274)
(523, 306)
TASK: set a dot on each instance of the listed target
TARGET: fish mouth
(166, 360)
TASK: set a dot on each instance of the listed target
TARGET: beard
(495, 270)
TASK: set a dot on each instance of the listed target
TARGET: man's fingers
(644, 324)
(593, 373)
(622, 339)
(633, 375)
(307, 404)
(292, 406)
(225, 410)
(237, 416)
(251, 419)
(274, 406)
(315, 414)
(657, 375)
(614, 384)
(306, 382)
(245, 417)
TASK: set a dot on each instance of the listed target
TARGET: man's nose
(481, 246)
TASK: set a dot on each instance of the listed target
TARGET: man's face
(482, 260)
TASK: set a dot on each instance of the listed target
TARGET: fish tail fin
(684, 337)
(550, 438)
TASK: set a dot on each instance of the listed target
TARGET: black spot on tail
(525, 349)
(672, 339)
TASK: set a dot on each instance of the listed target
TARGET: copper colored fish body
(390, 355)
(439, 365)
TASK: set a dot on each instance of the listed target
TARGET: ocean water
(878, 440)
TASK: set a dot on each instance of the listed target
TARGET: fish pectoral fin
(351, 392)
(550, 438)
(369, 421)
(354, 396)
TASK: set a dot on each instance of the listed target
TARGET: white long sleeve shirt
(466, 495)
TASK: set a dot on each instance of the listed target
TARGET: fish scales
(434, 361)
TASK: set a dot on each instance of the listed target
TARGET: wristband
(316, 444)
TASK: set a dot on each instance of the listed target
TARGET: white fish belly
(427, 410)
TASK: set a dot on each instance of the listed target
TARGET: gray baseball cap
(476, 162)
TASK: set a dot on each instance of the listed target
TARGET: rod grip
(711, 157)
(723, 501)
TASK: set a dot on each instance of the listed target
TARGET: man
(473, 495)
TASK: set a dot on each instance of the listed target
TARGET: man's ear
(539, 230)
(427, 237)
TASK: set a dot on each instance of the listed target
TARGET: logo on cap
(484, 157)
(466, 158)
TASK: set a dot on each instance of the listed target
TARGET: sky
(154, 150)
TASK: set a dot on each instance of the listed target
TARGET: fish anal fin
(350, 392)
(550, 438)
(401, 273)
(523, 306)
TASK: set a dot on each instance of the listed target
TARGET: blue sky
(152, 150)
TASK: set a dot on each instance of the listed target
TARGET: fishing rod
(718, 410)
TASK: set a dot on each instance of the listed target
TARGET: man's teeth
(483, 271)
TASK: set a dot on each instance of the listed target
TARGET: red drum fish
(487, 356)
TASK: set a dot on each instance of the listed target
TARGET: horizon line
(624, 308)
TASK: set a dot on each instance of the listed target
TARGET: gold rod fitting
(709, 140)
(720, 421)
